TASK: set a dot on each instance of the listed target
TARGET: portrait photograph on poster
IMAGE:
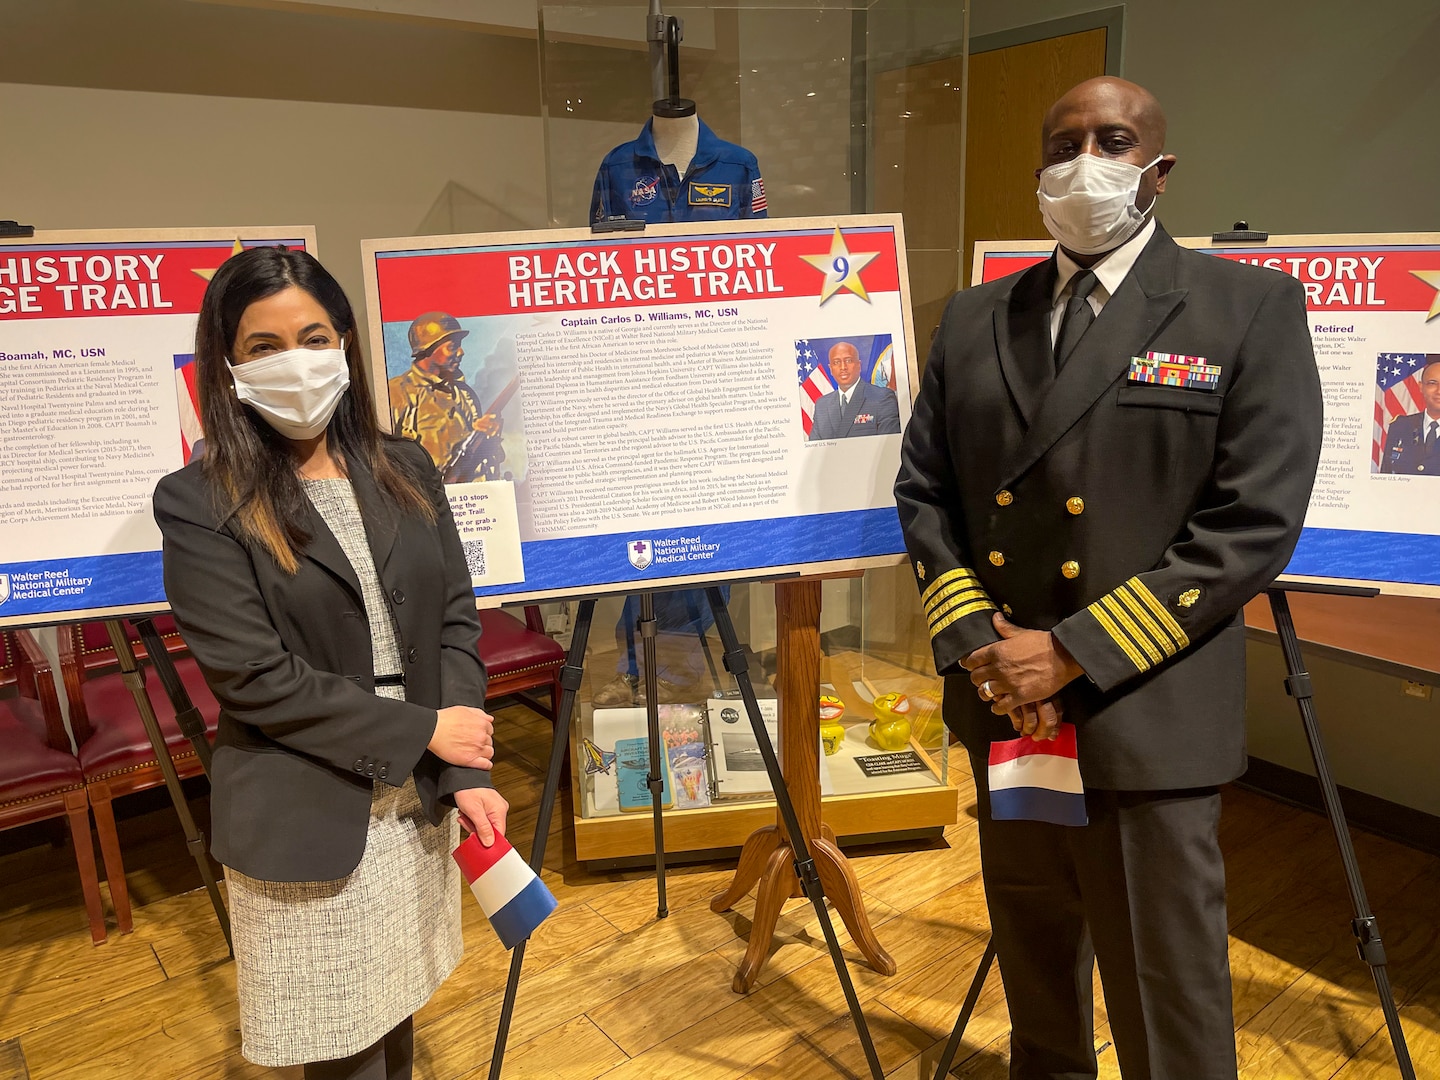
(847, 387)
(1407, 414)
(621, 411)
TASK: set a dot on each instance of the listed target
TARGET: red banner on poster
(46, 281)
(680, 270)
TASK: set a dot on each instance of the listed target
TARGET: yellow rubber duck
(832, 732)
(891, 727)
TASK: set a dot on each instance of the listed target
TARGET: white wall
(1297, 115)
(82, 158)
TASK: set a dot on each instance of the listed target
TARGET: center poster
(620, 411)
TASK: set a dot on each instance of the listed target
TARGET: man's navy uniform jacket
(873, 410)
(722, 183)
(1132, 520)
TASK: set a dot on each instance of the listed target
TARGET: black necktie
(1430, 434)
(1077, 318)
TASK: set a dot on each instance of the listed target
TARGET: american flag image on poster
(814, 382)
(1397, 393)
(187, 400)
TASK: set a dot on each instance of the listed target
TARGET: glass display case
(849, 107)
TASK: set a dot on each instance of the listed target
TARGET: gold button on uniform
(1004, 498)
(1075, 505)
(1070, 569)
(1006, 609)
(997, 559)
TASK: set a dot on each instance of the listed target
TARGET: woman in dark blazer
(316, 574)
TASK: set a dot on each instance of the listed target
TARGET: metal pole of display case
(655, 26)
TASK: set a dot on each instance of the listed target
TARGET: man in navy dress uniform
(854, 407)
(1412, 444)
(1084, 537)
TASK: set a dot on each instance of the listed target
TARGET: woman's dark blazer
(302, 736)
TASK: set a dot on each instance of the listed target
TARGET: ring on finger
(986, 694)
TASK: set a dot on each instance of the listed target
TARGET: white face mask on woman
(1088, 203)
(295, 392)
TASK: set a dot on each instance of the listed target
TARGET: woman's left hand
(482, 811)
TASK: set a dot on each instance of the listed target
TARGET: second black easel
(191, 724)
(1364, 925)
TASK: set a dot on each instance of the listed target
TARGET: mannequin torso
(676, 140)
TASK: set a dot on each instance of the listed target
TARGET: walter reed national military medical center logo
(44, 585)
(679, 549)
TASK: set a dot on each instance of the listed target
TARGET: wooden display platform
(727, 826)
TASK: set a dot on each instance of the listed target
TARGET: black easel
(570, 676)
(737, 664)
(1364, 925)
(191, 724)
(654, 778)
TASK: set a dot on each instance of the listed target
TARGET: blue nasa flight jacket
(722, 183)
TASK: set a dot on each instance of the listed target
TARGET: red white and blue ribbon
(513, 898)
(1037, 781)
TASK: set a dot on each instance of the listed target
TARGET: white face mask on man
(1088, 202)
(296, 392)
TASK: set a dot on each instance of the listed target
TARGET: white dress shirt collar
(1111, 268)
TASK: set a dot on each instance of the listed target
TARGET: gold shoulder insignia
(920, 570)
(1188, 598)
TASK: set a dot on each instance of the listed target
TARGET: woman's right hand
(464, 736)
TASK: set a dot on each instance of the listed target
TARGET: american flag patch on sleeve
(757, 195)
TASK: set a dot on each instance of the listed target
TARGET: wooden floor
(611, 992)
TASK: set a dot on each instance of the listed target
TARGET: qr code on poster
(475, 557)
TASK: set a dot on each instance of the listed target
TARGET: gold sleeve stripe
(959, 613)
(1121, 616)
(954, 589)
(1167, 620)
(1118, 636)
(1151, 627)
(950, 602)
(945, 579)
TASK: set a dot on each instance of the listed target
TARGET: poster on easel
(97, 335)
(628, 410)
(1373, 303)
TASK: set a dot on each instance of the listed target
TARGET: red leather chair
(39, 776)
(115, 754)
(520, 657)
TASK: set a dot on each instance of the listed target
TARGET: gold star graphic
(1431, 278)
(841, 268)
(210, 273)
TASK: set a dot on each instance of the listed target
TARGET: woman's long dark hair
(250, 465)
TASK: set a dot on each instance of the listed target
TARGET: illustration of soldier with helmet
(432, 403)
